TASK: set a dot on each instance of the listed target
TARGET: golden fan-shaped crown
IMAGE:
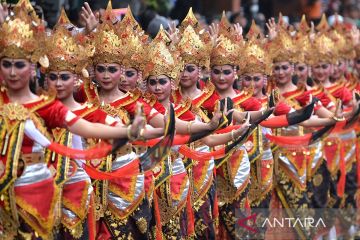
(255, 58)
(133, 41)
(283, 48)
(195, 48)
(162, 58)
(303, 26)
(106, 40)
(108, 45)
(323, 49)
(254, 32)
(190, 20)
(65, 53)
(323, 25)
(22, 38)
(129, 21)
(344, 44)
(229, 46)
(24, 7)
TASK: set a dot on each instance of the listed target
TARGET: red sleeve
(209, 104)
(345, 96)
(281, 109)
(251, 104)
(130, 108)
(80, 95)
(54, 114)
(324, 99)
(97, 116)
(159, 107)
(187, 116)
(304, 98)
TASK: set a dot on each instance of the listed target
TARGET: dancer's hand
(272, 28)
(214, 123)
(3, 12)
(138, 123)
(214, 33)
(90, 19)
(173, 33)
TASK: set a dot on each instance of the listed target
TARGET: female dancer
(24, 203)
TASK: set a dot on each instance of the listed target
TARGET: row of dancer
(188, 156)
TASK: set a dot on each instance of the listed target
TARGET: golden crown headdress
(229, 47)
(162, 58)
(195, 48)
(25, 7)
(303, 26)
(323, 49)
(107, 43)
(282, 48)
(254, 32)
(302, 42)
(344, 44)
(66, 54)
(63, 20)
(323, 25)
(255, 58)
(21, 37)
(129, 22)
(190, 20)
(133, 41)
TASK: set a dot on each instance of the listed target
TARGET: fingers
(312, 26)
(88, 9)
(85, 13)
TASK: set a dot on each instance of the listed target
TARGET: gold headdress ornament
(129, 21)
(108, 16)
(134, 47)
(66, 54)
(133, 41)
(282, 48)
(344, 44)
(161, 60)
(190, 20)
(25, 7)
(23, 38)
(303, 26)
(343, 40)
(255, 58)
(229, 47)
(302, 42)
(281, 22)
(225, 27)
(107, 43)
(254, 32)
(195, 48)
(63, 20)
(323, 49)
(323, 25)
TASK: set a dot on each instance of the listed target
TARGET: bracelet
(232, 136)
(189, 126)
(129, 133)
(338, 119)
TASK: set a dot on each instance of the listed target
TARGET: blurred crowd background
(151, 13)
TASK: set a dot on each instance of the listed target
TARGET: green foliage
(160, 6)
